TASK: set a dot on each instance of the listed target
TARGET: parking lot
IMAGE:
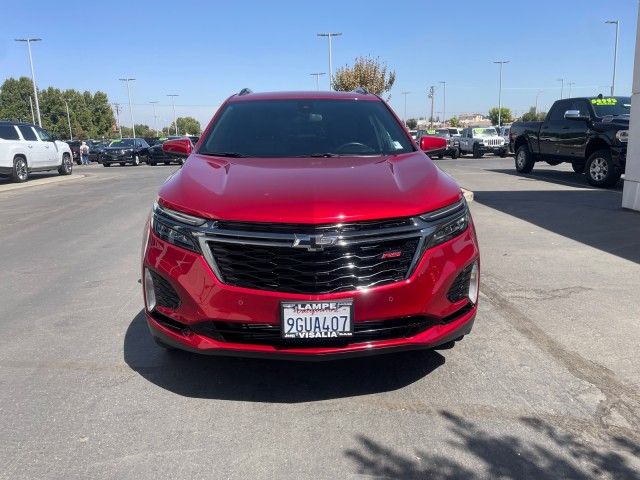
(546, 386)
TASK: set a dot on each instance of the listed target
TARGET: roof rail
(245, 91)
(361, 90)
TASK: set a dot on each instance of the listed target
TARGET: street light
(571, 84)
(329, 35)
(501, 63)
(155, 118)
(133, 125)
(432, 96)
(561, 80)
(444, 102)
(405, 106)
(33, 75)
(175, 119)
(615, 55)
(317, 75)
(537, 95)
(116, 107)
(68, 119)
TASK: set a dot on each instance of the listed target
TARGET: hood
(309, 190)
(619, 121)
(113, 149)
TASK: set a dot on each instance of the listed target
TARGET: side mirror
(575, 115)
(180, 147)
(430, 143)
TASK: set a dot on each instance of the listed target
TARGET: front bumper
(116, 159)
(203, 298)
(493, 149)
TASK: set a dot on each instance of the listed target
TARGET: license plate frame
(305, 326)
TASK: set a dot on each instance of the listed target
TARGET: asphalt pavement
(545, 387)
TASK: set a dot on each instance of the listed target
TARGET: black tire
(122, 164)
(455, 153)
(600, 170)
(524, 160)
(578, 167)
(20, 171)
(503, 153)
(106, 164)
(166, 163)
(66, 167)
(136, 161)
(476, 151)
(181, 161)
(553, 163)
(152, 163)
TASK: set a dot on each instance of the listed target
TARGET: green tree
(186, 126)
(454, 121)
(366, 72)
(532, 115)
(505, 115)
(14, 99)
(412, 123)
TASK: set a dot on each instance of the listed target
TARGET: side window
(556, 114)
(44, 136)
(27, 133)
(9, 132)
(138, 143)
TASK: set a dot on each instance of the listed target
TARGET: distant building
(474, 119)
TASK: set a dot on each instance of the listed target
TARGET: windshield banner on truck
(604, 101)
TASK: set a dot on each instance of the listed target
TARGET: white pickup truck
(481, 140)
(26, 148)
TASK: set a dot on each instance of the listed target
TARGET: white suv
(26, 148)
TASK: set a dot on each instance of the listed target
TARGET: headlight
(176, 227)
(449, 222)
(622, 136)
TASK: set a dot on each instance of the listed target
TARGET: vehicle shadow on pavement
(592, 217)
(560, 177)
(554, 454)
(274, 381)
(32, 176)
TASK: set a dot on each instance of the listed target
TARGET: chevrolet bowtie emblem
(314, 243)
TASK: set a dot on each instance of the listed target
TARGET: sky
(205, 51)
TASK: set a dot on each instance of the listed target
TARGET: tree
(366, 72)
(454, 121)
(186, 126)
(505, 115)
(412, 123)
(532, 115)
(14, 99)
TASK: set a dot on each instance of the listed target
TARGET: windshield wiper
(225, 154)
(325, 155)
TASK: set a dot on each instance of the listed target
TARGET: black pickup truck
(590, 133)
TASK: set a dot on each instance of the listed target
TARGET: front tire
(67, 165)
(106, 164)
(456, 153)
(20, 172)
(601, 172)
(476, 151)
(503, 153)
(524, 160)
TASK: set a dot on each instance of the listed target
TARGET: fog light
(149, 290)
(474, 283)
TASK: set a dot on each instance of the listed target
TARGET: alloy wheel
(21, 169)
(66, 162)
(599, 169)
(520, 159)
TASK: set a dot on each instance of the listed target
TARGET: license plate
(310, 320)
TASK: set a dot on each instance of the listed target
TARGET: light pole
(317, 75)
(501, 63)
(329, 35)
(571, 84)
(444, 102)
(561, 80)
(405, 106)
(537, 95)
(175, 119)
(33, 75)
(615, 55)
(33, 118)
(155, 118)
(116, 107)
(133, 125)
(68, 119)
(432, 96)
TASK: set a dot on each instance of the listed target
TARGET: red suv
(308, 224)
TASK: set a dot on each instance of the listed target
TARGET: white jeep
(26, 148)
(481, 140)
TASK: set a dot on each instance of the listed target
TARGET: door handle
(46, 146)
(30, 146)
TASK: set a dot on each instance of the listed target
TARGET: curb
(468, 195)
(35, 183)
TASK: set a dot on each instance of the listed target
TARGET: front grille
(166, 296)
(460, 288)
(337, 268)
(267, 334)
(493, 142)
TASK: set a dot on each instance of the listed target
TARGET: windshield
(443, 132)
(611, 106)
(302, 128)
(485, 131)
(125, 142)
